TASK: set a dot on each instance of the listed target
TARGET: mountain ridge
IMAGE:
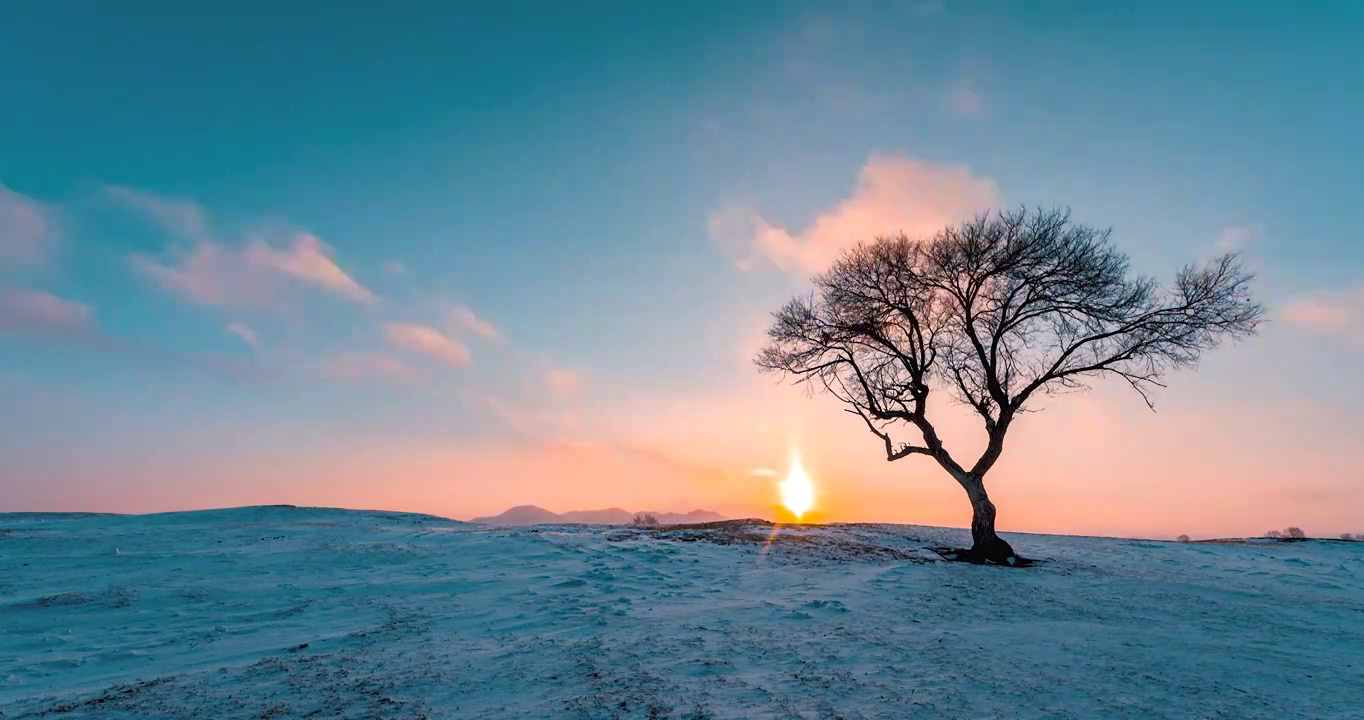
(536, 515)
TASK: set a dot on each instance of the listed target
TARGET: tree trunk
(986, 546)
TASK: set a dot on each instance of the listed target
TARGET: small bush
(645, 519)
(1347, 537)
(1274, 534)
(1294, 532)
(1183, 538)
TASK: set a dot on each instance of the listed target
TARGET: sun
(797, 492)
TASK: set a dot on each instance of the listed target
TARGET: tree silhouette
(995, 312)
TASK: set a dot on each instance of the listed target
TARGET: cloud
(893, 194)
(25, 228)
(393, 267)
(463, 319)
(255, 275)
(40, 314)
(179, 217)
(37, 312)
(308, 260)
(1339, 314)
(966, 101)
(244, 332)
(428, 341)
(364, 366)
(564, 382)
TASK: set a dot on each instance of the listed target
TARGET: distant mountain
(522, 515)
(532, 515)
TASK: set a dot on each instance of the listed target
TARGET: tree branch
(995, 311)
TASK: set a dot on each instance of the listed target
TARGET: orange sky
(1094, 463)
(1233, 449)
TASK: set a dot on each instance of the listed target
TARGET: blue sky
(544, 188)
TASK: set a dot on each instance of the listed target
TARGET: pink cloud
(211, 274)
(1339, 313)
(364, 366)
(38, 312)
(256, 275)
(428, 341)
(243, 331)
(25, 228)
(309, 260)
(462, 319)
(893, 194)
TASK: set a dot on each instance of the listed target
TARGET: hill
(533, 515)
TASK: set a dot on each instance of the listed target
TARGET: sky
(454, 257)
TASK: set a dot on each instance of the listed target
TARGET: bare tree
(1294, 533)
(996, 312)
(645, 519)
(1183, 538)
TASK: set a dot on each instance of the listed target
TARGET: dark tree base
(973, 556)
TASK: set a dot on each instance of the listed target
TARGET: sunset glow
(797, 492)
(302, 280)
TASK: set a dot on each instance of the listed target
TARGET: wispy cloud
(966, 101)
(893, 194)
(25, 228)
(257, 273)
(244, 331)
(364, 366)
(428, 341)
(1339, 314)
(183, 218)
(309, 260)
(393, 267)
(463, 319)
(41, 313)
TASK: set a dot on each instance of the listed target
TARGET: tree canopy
(996, 312)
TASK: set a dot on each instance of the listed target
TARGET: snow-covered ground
(285, 612)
